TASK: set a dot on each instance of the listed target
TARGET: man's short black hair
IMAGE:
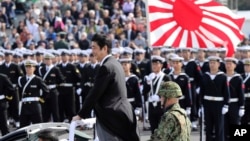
(48, 135)
(102, 40)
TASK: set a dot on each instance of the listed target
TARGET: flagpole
(148, 25)
(148, 32)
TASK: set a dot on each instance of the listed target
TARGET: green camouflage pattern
(170, 89)
(174, 126)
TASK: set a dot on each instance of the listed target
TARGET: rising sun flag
(193, 23)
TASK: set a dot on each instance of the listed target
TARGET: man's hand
(75, 118)
(41, 100)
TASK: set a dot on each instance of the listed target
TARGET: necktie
(27, 78)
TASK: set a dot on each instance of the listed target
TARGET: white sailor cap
(27, 52)
(39, 52)
(8, 52)
(156, 47)
(30, 62)
(127, 50)
(125, 60)
(83, 53)
(17, 55)
(246, 61)
(238, 48)
(202, 49)
(64, 52)
(194, 50)
(245, 48)
(185, 49)
(55, 52)
(166, 50)
(223, 49)
(231, 59)
(89, 51)
(214, 58)
(213, 49)
(74, 51)
(171, 55)
(139, 51)
(177, 58)
(49, 56)
(115, 51)
(156, 58)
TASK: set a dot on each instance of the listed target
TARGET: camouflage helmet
(170, 89)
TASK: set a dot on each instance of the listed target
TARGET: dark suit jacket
(109, 100)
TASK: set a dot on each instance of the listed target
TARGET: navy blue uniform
(214, 92)
(236, 102)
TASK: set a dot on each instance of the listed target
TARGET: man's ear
(105, 48)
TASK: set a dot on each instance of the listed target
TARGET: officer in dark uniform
(128, 53)
(215, 52)
(193, 71)
(13, 71)
(53, 77)
(201, 61)
(246, 80)
(92, 70)
(150, 91)
(39, 53)
(82, 66)
(6, 94)
(244, 53)
(214, 92)
(237, 100)
(182, 80)
(26, 56)
(17, 57)
(31, 99)
(67, 89)
(165, 52)
(142, 63)
(132, 84)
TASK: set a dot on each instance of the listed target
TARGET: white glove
(201, 111)
(198, 90)
(150, 77)
(188, 110)
(137, 112)
(241, 112)
(224, 109)
(79, 91)
(155, 98)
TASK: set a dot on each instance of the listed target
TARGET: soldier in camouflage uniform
(174, 125)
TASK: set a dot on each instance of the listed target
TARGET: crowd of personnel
(48, 67)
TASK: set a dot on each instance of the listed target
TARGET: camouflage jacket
(174, 126)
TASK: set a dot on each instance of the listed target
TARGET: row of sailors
(141, 68)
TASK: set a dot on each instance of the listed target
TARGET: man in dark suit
(115, 119)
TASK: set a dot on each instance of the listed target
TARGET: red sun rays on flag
(193, 23)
